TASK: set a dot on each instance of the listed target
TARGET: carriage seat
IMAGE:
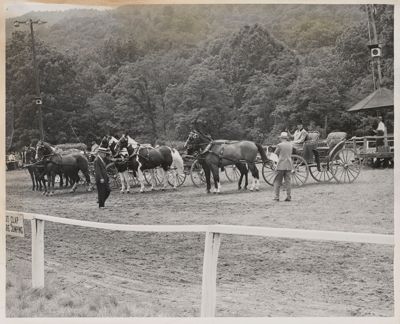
(312, 136)
(331, 140)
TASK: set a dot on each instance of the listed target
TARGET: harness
(220, 154)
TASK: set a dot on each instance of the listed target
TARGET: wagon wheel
(325, 175)
(232, 173)
(197, 174)
(300, 171)
(268, 172)
(180, 178)
(345, 165)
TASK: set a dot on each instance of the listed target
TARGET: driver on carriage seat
(299, 137)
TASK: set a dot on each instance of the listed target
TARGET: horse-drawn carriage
(323, 160)
(192, 168)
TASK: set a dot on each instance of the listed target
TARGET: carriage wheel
(113, 178)
(345, 165)
(300, 171)
(197, 174)
(156, 173)
(180, 178)
(232, 173)
(114, 181)
(268, 172)
(325, 175)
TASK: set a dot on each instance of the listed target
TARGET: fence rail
(212, 244)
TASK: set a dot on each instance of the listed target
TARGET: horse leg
(246, 179)
(32, 178)
(51, 182)
(207, 173)
(61, 180)
(174, 174)
(88, 184)
(164, 172)
(141, 179)
(243, 170)
(75, 179)
(254, 172)
(217, 184)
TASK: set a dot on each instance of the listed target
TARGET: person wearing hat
(122, 168)
(299, 136)
(284, 166)
(102, 181)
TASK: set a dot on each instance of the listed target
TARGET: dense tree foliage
(240, 71)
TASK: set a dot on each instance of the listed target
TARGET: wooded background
(244, 71)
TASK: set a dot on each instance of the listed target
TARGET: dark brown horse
(215, 154)
(146, 157)
(69, 164)
(35, 169)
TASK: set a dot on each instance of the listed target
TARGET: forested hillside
(241, 71)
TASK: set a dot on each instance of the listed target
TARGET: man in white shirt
(380, 131)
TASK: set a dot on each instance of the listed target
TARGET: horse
(36, 170)
(146, 157)
(69, 164)
(215, 154)
(242, 167)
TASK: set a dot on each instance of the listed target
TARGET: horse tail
(177, 161)
(262, 152)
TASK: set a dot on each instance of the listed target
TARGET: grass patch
(51, 301)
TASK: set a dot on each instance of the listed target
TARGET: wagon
(329, 160)
(370, 154)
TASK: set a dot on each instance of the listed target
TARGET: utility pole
(38, 99)
(371, 16)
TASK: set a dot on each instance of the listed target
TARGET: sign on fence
(15, 225)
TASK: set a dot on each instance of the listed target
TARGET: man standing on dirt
(284, 167)
(102, 181)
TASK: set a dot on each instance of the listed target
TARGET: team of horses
(44, 163)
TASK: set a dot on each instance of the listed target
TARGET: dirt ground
(160, 274)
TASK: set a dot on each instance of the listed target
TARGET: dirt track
(256, 276)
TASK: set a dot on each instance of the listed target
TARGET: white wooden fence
(212, 243)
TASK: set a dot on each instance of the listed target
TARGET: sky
(15, 8)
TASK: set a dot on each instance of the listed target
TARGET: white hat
(284, 135)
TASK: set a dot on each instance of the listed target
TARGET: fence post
(365, 145)
(209, 289)
(37, 226)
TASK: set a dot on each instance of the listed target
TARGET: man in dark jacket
(102, 181)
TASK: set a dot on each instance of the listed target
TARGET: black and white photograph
(199, 160)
